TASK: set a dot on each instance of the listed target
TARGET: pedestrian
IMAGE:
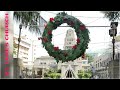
(91, 77)
(20, 76)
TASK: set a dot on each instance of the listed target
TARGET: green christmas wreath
(82, 38)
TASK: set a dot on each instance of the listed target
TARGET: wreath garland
(82, 38)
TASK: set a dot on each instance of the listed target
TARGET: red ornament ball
(78, 40)
(51, 19)
(65, 54)
(56, 48)
(65, 19)
(49, 32)
(45, 39)
(74, 47)
(71, 23)
(83, 56)
(82, 27)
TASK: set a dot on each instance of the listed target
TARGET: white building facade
(42, 64)
(23, 48)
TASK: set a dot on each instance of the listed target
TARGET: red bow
(51, 19)
(82, 27)
(74, 47)
(56, 48)
(78, 40)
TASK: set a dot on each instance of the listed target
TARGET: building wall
(100, 66)
(44, 62)
(85, 65)
(35, 44)
(23, 48)
(105, 67)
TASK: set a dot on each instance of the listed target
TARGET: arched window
(69, 74)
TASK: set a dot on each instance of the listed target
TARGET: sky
(97, 34)
(89, 18)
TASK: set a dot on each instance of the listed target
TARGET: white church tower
(69, 69)
(69, 39)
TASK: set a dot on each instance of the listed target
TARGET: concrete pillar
(114, 69)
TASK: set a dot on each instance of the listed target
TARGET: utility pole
(19, 39)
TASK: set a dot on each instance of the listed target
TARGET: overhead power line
(65, 26)
(77, 16)
(91, 43)
(93, 21)
(99, 42)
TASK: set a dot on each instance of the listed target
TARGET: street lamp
(112, 33)
(19, 39)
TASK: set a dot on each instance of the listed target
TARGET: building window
(84, 62)
(98, 64)
(85, 67)
(69, 42)
(104, 63)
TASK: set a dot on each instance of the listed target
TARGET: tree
(15, 46)
(112, 15)
(90, 58)
(84, 74)
(55, 74)
(28, 18)
(80, 74)
(59, 71)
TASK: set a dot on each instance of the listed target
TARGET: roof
(43, 19)
(45, 57)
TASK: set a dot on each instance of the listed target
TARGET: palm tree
(112, 15)
(28, 18)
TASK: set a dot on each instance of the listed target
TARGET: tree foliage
(28, 18)
(55, 74)
(90, 58)
(59, 71)
(84, 74)
(112, 15)
(15, 46)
